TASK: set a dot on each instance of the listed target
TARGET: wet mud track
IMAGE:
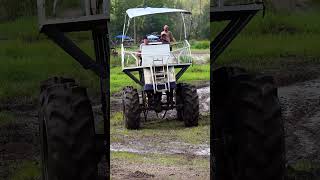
(300, 107)
(301, 113)
(301, 110)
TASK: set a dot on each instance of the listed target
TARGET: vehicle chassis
(152, 99)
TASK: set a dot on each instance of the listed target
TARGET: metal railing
(180, 55)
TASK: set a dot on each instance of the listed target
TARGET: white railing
(177, 56)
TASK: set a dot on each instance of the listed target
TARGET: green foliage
(11, 9)
(150, 24)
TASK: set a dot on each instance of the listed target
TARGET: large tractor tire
(188, 104)
(67, 133)
(248, 129)
(131, 108)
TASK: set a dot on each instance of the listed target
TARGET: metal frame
(238, 16)
(129, 71)
(99, 26)
(91, 18)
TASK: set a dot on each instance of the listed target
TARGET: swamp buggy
(156, 64)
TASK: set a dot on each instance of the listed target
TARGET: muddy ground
(299, 96)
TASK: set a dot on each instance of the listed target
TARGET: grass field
(28, 57)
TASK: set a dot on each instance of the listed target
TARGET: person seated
(145, 41)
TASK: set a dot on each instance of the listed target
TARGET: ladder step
(160, 74)
(160, 78)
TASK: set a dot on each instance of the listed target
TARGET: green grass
(24, 65)
(278, 24)
(26, 170)
(262, 51)
(304, 169)
(24, 28)
(6, 118)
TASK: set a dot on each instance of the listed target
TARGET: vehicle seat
(152, 52)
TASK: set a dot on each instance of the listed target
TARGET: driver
(168, 33)
(145, 41)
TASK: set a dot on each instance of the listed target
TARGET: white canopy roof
(135, 12)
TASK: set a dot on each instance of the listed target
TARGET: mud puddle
(162, 148)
